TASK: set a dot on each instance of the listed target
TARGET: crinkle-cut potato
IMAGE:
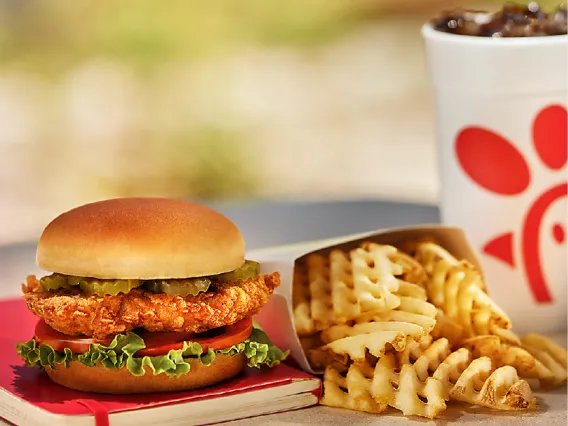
(403, 390)
(535, 357)
(351, 390)
(414, 333)
(542, 343)
(343, 297)
(320, 358)
(458, 289)
(412, 271)
(409, 246)
(551, 355)
(413, 350)
(311, 342)
(449, 329)
(414, 291)
(374, 277)
(320, 290)
(301, 299)
(526, 365)
(415, 310)
(413, 317)
(421, 379)
(451, 368)
(502, 389)
(341, 287)
(376, 331)
(412, 320)
(357, 346)
(337, 332)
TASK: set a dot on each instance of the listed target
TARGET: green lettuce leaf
(121, 352)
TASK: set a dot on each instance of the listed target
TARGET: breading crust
(102, 317)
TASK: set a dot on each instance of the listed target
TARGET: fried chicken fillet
(102, 317)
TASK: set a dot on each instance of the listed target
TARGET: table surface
(266, 224)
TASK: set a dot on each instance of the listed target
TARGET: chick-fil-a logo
(494, 163)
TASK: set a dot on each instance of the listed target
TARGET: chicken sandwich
(146, 295)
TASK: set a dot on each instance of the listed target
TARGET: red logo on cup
(496, 165)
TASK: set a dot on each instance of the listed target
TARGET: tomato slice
(160, 343)
(157, 343)
(59, 341)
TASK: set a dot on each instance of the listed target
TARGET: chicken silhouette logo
(496, 165)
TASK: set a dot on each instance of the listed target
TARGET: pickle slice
(107, 287)
(74, 280)
(55, 282)
(183, 288)
(248, 270)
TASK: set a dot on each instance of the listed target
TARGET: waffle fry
(320, 290)
(436, 362)
(545, 344)
(436, 262)
(415, 333)
(449, 329)
(550, 355)
(413, 350)
(410, 390)
(436, 356)
(344, 286)
(502, 389)
(410, 310)
(459, 291)
(345, 303)
(404, 390)
(374, 277)
(301, 299)
(408, 289)
(412, 270)
(321, 358)
(449, 371)
(529, 361)
(429, 375)
(502, 354)
(372, 390)
(413, 317)
(410, 246)
(311, 342)
(351, 391)
(341, 331)
(412, 320)
(317, 357)
(356, 347)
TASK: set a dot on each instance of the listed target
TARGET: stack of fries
(413, 330)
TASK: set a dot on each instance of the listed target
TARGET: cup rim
(428, 32)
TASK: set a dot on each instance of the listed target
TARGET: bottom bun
(103, 380)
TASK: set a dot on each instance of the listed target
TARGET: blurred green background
(240, 100)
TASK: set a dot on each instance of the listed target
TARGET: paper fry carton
(277, 316)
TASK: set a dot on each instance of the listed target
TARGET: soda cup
(502, 151)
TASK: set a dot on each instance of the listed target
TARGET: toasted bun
(141, 238)
(102, 380)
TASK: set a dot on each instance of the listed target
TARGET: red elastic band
(98, 410)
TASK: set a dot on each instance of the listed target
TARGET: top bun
(141, 238)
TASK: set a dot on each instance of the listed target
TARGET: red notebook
(27, 396)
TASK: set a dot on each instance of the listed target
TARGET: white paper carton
(277, 316)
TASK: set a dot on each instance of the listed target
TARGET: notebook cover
(33, 385)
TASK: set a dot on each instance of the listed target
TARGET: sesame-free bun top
(141, 238)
